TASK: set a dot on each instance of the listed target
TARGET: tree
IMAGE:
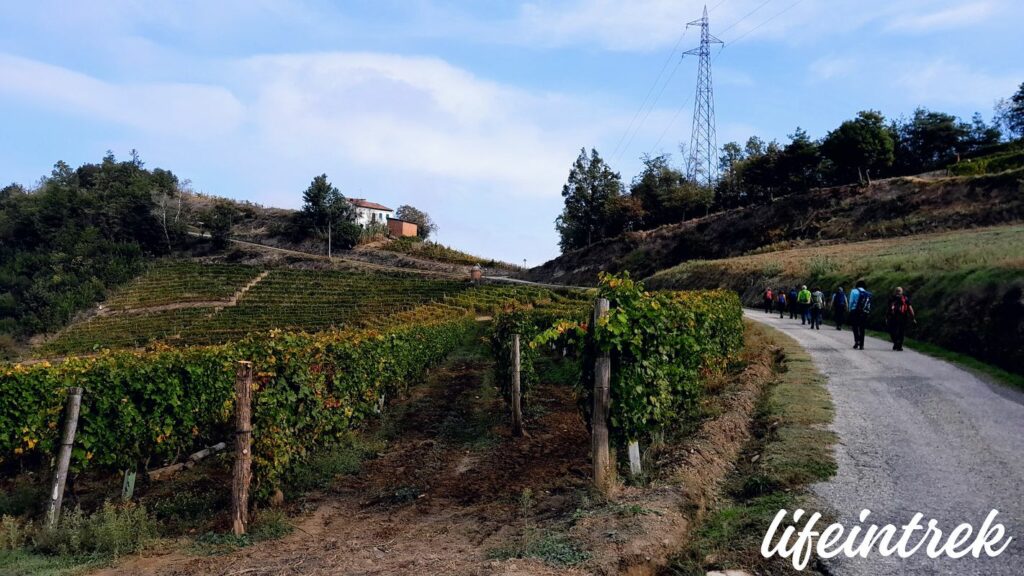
(983, 135)
(588, 193)
(859, 147)
(930, 140)
(219, 222)
(656, 188)
(425, 225)
(728, 191)
(324, 209)
(1011, 113)
(798, 163)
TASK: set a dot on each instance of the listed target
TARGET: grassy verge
(964, 361)
(966, 286)
(791, 449)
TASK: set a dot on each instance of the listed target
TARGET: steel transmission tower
(701, 164)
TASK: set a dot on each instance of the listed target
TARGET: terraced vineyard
(285, 299)
(182, 281)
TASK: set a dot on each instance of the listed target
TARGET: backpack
(863, 301)
(782, 297)
(900, 306)
(768, 295)
(818, 299)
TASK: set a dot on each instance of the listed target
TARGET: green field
(966, 286)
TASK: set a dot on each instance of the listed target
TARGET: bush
(112, 530)
(663, 347)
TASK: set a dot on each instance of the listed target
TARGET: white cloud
(415, 114)
(946, 82)
(959, 16)
(180, 109)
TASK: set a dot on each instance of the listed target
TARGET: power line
(668, 126)
(783, 11)
(651, 109)
(748, 15)
(650, 90)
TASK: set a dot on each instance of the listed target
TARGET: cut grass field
(966, 286)
(791, 449)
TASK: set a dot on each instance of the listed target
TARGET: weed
(551, 547)
(13, 534)
(22, 496)
(113, 530)
(319, 470)
(267, 525)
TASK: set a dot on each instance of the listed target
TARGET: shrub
(113, 530)
(663, 346)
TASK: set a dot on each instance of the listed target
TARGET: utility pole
(701, 165)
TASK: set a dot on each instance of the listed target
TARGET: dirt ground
(447, 491)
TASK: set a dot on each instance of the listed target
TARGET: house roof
(364, 203)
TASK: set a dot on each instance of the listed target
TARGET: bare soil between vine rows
(446, 492)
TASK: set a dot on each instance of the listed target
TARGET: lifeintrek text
(885, 540)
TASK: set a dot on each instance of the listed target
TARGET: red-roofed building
(370, 213)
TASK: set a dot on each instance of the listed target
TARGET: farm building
(370, 213)
(400, 228)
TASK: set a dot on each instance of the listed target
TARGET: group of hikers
(853, 309)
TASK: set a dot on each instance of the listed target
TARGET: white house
(370, 213)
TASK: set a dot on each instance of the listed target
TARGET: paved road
(917, 434)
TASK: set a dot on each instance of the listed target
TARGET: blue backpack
(863, 301)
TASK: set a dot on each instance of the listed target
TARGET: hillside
(966, 286)
(182, 302)
(887, 208)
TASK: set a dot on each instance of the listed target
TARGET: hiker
(803, 298)
(793, 306)
(817, 308)
(860, 307)
(781, 303)
(838, 307)
(897, 315)
(769, 300)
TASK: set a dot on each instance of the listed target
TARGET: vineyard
(328, 354)
(189, 304)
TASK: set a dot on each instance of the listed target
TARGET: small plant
(111, 531)
(552, 548)
(821, 266)
(13, 534)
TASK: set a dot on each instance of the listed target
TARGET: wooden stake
(60, 476)
(243, 449)
(602, 401)
(517, 403)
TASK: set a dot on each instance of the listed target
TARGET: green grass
(551, 547)
(25, 563)
(793, 449)
(324, 466)
(965, 285)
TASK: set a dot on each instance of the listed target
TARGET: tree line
(65, 242)
(599, 205)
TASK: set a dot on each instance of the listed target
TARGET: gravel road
(917, 434)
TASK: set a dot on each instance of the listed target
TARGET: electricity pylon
(701, 164)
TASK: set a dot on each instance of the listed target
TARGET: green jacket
(804, 297)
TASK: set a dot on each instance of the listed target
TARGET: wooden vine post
(602, 401)
(60, 476)
(517, 400)
(243, 449)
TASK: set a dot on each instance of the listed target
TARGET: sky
(471, 110)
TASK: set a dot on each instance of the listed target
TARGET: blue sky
(473, 111)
